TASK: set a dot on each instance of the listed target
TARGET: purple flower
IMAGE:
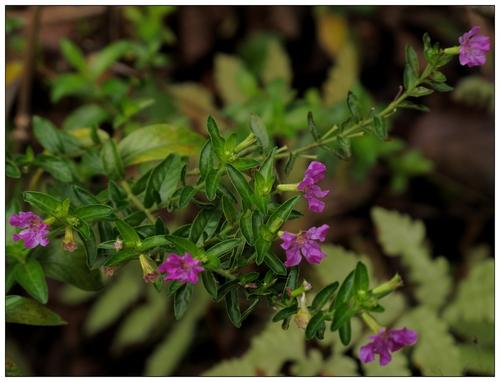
(181, 268)
(35, 231)
(473, 48)
(312, 192)
(386, 342)
(304, 244)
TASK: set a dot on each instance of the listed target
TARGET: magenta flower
(386, 342)
(181, 268)
(35, 231)
(473, 48)
(304, 244)
(312, 192)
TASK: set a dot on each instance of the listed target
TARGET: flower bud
(389, 286)
(148, 269)
(109, 271)
(69, 243)
(302, 318)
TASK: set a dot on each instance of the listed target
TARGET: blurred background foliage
(111, 71)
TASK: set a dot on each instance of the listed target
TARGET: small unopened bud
(287, 187)
(307, 285)
(302, 318)
(118, 244)
(148, 269)
(109, 271)
(389, 286)
(69, 243)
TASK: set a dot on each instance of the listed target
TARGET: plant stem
(357, 128)
(136, 202)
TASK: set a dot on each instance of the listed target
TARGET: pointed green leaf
(31, 277)
(21, 310)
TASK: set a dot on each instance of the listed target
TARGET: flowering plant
(230, 246)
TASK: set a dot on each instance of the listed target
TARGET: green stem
(136, 202)
(371, 322)
(357, 128)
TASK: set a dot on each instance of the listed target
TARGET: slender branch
(136, 202)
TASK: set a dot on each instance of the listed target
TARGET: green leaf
(246, 227)
(48, 136)
(209, 283)
(275, 264)
(241, 185)
(420, 91)
(280, 216)
(353, 105)
(380, 127)
(185, 245)
(361, 281)
(260, 132)
(182, 298)
(212, 183)
(93, 212)
(234, 82)
(107, 57)
(233, 307)
(111, 160)
(410, 79)
(345, 292)
(223, 247)
(70, 268)
(412, 60)
(122, 256)
(312, 127)
(441, 86)
(186, 195)
(267, 170)
(262, 247)
(69, 84)
(44, 202)
(155, 142)
(343, 313)
(127, 233)
(154, 242)
(21, 310)
(345, 333)
(314, 325)
(84, 196)
(204, 225)
(324, 295)
(163, 181)
(229, 210)
(59, 168)
(225, 288)
(73, 55)
(285, 313)
(218, 142)
(11, 169)
(31, 277)
(412, 105)
(206, 162)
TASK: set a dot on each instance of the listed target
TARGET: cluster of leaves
(455, 332)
